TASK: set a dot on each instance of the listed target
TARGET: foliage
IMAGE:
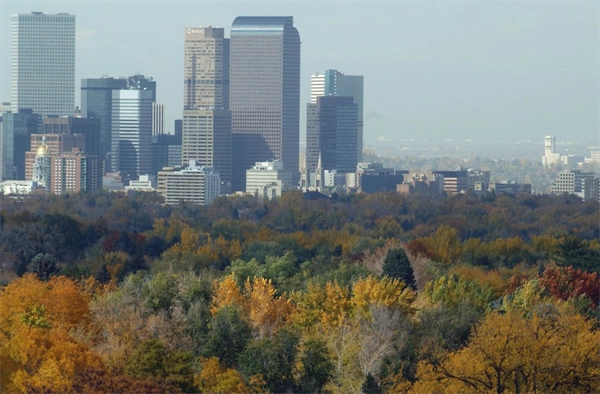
(396, 265)
(43, 265)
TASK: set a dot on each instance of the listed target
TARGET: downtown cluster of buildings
(238, 132)
(239, 123)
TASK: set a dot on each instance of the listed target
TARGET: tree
(273, 359)
(43, 265)
(217, 379)
(228, 335)
(551, 350)
(316, 368)
(396, 265)
(573, 251)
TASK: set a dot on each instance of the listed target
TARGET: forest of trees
(380, 293)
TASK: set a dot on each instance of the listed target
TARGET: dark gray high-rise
(96, 102)
(264, 94)
(331, 131)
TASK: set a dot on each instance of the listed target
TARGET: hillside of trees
(380, 293)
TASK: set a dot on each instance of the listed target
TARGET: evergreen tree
(43, 265)
(396, 265)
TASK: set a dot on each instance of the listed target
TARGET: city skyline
(490, 71)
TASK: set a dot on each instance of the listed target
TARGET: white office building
(267, 179)
(42, 72)
(195, 184)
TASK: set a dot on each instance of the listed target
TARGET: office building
(374, 177)
(591, 189)
(43, 63)
(335, 83)
(571, 182)
(145, 183)
(265, 94)
(166, 151)
(268, 179)
(15, 141)
(131, 134)
(331, 126)
(454, 181)
(206, 126)
(96, 102)
(194, 184)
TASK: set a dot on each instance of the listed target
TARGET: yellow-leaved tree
(37, 352)
(552, 349)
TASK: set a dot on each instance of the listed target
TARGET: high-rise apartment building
(43, 63)
(206, 128)
(96, 102)
(335, 83)
(265, 94)
(331, 125)
(131, 149)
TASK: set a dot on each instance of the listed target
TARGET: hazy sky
(485, 70)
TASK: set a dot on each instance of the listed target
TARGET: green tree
(228, 335)
(316, 368)
(273, 359)
(43, 265)
(577, 253)
(396, 265)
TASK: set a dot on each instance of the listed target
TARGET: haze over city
(433, 70)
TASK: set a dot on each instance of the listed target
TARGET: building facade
(131, 134)
(96, 102)
(331, 126)
(265, 94)
(43, 63)
(15, 142)
(571, 182)
(335, 83)
(206, 127)
(55, 144)
(267, 179)
(194, 184)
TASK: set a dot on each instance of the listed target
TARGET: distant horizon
(433, 71)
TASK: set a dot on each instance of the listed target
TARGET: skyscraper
(43, 63)
(96, 102)
(265, 93)
(158, 119)
(206, 117)
(132, 131)
(15, 141)
(335, 83)
(331, 126)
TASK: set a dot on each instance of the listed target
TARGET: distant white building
(267, 179)
(18, 187)
(145, 183)
(194, 183)
(550, 156)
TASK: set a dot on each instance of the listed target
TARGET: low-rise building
(145, 183)
(268, 179)
(570, 181)
(195, 184)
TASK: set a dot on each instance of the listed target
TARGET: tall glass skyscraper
(335, 83)
(132, 131)
(97, 101)
(265, 94)
(43, 63)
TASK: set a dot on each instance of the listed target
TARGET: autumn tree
(552, 350)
